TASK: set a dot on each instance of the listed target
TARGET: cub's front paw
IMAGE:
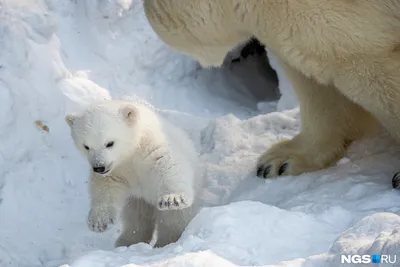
(173, 202)
(100, 219)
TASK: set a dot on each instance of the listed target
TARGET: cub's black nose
(100, 169)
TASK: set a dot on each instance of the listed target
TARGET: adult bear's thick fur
(342, 57)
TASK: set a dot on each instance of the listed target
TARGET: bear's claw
(172, 202)
(396, 180)
(100, 220)
(264, 170)
(282, 168)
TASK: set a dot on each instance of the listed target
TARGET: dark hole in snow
(250, 74)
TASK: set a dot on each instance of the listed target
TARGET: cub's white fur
(142, 168)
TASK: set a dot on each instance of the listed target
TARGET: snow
(58, 55)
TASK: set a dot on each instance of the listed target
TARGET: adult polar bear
(342, 57)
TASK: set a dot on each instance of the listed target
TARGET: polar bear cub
(143, 169)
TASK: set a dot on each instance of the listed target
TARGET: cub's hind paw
(173, 202)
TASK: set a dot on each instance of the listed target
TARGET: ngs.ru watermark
(368, 258)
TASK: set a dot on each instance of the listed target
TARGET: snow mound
(242, 234)
(59, 55)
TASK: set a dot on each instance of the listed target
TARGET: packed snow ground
(58, 55)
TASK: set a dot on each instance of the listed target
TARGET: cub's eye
(110, 144)
(86, 147)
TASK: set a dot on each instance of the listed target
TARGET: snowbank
(240, 235)
(58, 55)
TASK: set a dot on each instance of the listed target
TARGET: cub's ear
(70, 118)
(129, 113)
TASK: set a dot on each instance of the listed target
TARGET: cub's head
(106, 134)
